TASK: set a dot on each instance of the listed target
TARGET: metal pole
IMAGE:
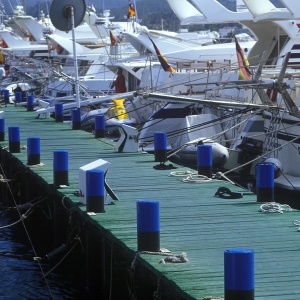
(75, 58)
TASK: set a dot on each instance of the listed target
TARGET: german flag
(245, 73)
(162, 59)
(131, 11)
(113, 39)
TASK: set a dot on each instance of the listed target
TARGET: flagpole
(135, 15)
(75, 59)
(151, 82)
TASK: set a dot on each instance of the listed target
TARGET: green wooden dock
(192, 219)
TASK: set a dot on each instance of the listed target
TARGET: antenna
(66, 15)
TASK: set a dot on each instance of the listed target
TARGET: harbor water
(22, 276)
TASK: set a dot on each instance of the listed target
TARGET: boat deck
(192, 219)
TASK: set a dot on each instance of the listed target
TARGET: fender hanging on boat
(118, 116)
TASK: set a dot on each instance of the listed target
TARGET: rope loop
(296, 222)
(181, 173)
(274, 207)
(180, 258)
(196, 178)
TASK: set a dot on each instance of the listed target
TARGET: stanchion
(76, 119)
(148, 227)
(265, 182)
(33, 151)
(30, 103)
(60, 167)
(95, 191)
(160, 147)
(18, 96)
(239, 274)
(59, 112)
(204, 160)
(14, 139)
(6, 96)
(99, 126)
(2, 130)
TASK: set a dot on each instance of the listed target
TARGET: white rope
(196, 178)
(181, 258)
(297, 223)
(23, 217)
(154, 253)
(11, 224)
(274, 207)
(181, 173)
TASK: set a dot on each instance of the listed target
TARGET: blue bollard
(204, 160)
(160, 147)
(18, 96)
(33, 151)
(30, 103)
(2, 130)
(60, 167)
(76, 119)
(148, 228)
(6, 96)
(99, 126)
(95, 191)
(59, 112)
(14, 139)
(239, 274)
(265, 182)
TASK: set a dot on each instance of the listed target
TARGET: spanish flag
(162, 59)
(113, 39)
(131, 11)
(245, 73)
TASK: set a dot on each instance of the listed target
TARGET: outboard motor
(251, 148)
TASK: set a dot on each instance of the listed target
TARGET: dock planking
(192, 219)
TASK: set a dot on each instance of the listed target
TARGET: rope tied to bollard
(130, 278)
(274, 207)
(169, 256)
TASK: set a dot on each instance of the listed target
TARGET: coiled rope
(192, 177)
(180, 258)
(196, 178)
(274, 207)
